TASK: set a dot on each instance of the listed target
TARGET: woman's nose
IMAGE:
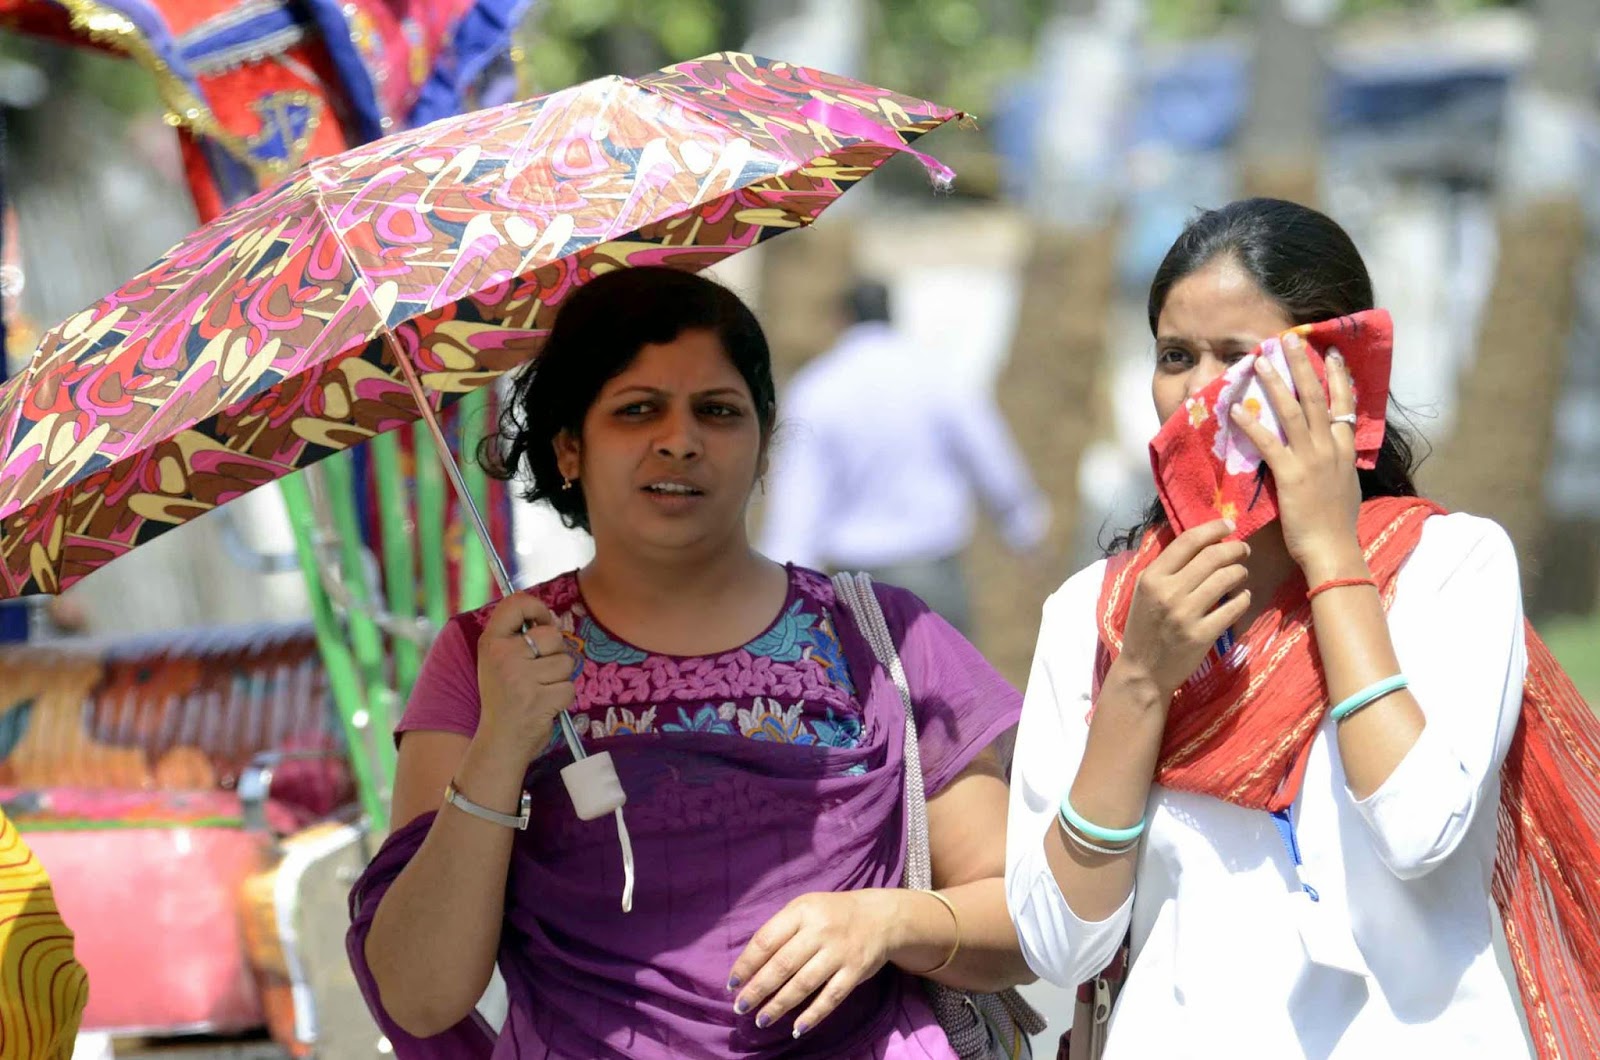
(1204, 374)
(679, 438)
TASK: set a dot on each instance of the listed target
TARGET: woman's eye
(1173, 357)
(638, 408)
(720, 411)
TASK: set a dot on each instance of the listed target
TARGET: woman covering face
(758, 742)
(1273, 764)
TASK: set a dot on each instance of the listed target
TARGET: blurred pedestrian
(882, 458)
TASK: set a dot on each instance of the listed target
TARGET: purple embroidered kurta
(759, 775)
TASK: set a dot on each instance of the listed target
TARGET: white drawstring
(596, 790)
(627, 862)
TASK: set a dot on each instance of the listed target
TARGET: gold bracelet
(955, 949)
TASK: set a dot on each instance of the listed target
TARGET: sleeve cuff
(1420, 812)
(1058, 944)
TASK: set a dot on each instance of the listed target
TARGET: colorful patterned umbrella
(285, 330)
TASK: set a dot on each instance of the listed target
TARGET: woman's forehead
(1220, 302)
(694, 361)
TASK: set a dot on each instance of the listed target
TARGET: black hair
(867, 302)
(597, 334)
(1310, 267)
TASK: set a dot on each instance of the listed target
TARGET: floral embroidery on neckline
(790, 684)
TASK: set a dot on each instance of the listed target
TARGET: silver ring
(1348, 419)
(537, 654)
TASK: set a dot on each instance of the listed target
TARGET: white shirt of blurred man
(880, 458)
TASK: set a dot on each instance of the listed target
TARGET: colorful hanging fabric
(257, 88)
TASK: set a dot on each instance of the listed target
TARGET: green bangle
(1095, 831)
(1367, 696)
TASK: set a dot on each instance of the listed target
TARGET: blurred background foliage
(957, 51)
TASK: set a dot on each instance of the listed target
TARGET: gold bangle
(955, 949)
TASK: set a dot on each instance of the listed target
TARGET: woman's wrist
(490, 776)
(1136, 685)
(1343, 563)
(919, 930)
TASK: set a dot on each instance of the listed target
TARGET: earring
(566, 484)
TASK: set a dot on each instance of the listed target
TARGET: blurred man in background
(880, 462)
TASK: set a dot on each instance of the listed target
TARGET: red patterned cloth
(1206, 468)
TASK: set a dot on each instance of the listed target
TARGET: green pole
(430, 528)
(399, 558)
(365, 636)
(344, 680)
(475, 579)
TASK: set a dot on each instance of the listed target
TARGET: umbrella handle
(458, 482)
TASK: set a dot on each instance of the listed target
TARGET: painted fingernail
(741, 1006)
(1335, 357)
(763, 1021)
(1291, 340)
(734, 983)
(801, 1028)
(1264, 367)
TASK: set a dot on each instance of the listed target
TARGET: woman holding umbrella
(756, 740)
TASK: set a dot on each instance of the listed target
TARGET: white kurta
(1220, 961)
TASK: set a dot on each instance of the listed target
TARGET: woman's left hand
(1319, 495)
(826, 944)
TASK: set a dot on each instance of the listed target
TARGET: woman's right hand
(1175, 616)
(521, 691)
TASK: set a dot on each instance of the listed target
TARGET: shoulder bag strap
(856, 592)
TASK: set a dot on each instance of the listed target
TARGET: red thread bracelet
(1339, 583)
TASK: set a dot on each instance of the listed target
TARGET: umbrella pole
(497, 566)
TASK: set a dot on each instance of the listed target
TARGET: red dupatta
(1243, 734)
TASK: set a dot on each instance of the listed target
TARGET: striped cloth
(42, 987)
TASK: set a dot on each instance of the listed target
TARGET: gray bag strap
(978, 1025)
(855, 590)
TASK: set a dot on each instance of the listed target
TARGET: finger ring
(1348, 419)
(531, 645)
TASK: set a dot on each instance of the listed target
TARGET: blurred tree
(105, 77)
(1056, 365)
(956, 51)
(567, 41)
(1280, 148)
(803, 279)
(960, 52)
(1498, 456)
(1176, 19)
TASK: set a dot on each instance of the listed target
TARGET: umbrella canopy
(285, 330)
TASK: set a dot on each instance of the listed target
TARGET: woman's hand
(824, 944)
(1319, 495)
(524, 680)
(1177, 612)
